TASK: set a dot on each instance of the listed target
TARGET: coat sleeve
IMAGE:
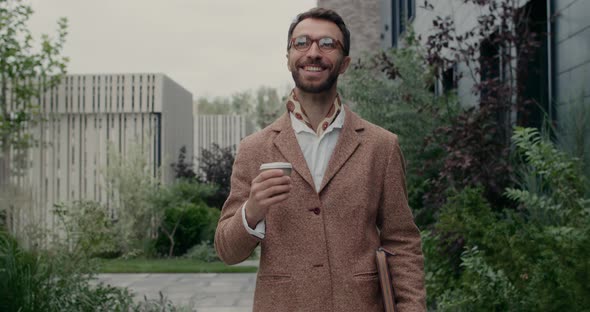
(400, 235)
(233, 243)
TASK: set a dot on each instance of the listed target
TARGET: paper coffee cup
(286, 167)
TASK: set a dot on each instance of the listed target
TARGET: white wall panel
(82, 115)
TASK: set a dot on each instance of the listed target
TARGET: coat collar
(347, 144)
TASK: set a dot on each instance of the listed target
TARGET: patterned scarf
(294, 107)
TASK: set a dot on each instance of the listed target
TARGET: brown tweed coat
(319, 250)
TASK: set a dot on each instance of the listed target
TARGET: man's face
(314, 70)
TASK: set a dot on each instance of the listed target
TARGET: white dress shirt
(317, 152)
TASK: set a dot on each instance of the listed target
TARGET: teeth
(313, 68)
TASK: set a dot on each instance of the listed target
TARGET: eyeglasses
(304, 43)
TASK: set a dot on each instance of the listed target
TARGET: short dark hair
(323, 14)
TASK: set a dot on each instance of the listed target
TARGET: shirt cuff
(259, 231)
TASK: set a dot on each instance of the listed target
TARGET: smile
(313, 68)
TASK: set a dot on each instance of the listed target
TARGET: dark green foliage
(52, 281)
(215, 165)
(205, 251)
(534, 258)
(475, 155)
(477, 141)
(2, 220)
(61, 281)
(393, 90)
(196, 223)
(186, 219)
(183, 169)
(553, 184)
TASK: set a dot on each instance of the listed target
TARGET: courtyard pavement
(203, 292)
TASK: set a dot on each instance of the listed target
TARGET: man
(319, 228)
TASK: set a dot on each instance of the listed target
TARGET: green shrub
(393, 89)
(2, 220)
(185, 218)
(130, 182)
(162, 304)
(534, 258)
(203, 252)
(439, 272)
(194, 223)
(88, 227)
(52, 281)
(60, 281)
(553, 183)
(482, 287)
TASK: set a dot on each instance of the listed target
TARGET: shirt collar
(299, 126)
(297, 113)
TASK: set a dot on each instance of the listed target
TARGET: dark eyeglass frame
(317, 41)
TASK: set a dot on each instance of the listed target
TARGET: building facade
(570, 44)
(363, 21)
(83, 117)
(223, 130)
(561, 68)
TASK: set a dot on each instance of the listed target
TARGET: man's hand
(268, 189)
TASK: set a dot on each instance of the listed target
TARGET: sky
(210, 47)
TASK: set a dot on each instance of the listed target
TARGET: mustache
(314, 63)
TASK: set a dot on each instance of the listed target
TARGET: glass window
(411, 9)
(394, 22)
(402, 16)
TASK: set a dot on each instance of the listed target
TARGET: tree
(216, 167)
(242, 103)
(496, 53)
(393, 90)
(25, 74)
(268, 106)
(216, 106)
(131, 183)
(182, 168)
(184, 218)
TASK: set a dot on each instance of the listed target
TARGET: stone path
(203, 292)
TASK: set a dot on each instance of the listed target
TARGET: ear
(345, 64)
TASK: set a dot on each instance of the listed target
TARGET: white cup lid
(276, 165)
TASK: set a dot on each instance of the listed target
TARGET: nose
(314, 50)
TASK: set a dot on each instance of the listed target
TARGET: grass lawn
(169, 266)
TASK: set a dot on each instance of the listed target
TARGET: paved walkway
(203, 292)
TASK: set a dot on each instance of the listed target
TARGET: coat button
(315, 210)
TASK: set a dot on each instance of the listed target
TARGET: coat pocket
(274, 278)
(366, 276)
(367, 290)
(276, 291)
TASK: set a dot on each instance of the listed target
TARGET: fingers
(258, 205)
(268, 174)
(271, 201)
(269, 183)
(271, 192)
(267, 180)
(268, 189)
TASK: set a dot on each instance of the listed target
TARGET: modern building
(223, 130)
(85, 115)
(561, 67)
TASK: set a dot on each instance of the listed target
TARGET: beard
(317, 88)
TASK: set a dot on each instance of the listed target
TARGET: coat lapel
(288, 145)
(347, 144)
